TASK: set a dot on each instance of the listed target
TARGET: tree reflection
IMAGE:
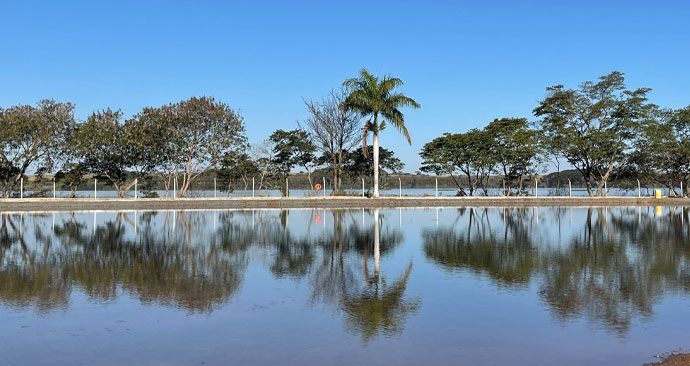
(175, 259)
(612, 271)
(105, 261)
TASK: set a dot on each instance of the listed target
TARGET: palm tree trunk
(376, 163)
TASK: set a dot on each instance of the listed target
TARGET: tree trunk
(376, 164)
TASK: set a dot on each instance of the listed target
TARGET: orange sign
(317, 186)
(317, 219)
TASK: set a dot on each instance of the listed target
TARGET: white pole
(95, 186)
(639, 189)
(400, 181)
(287, 188)
(362, 195)
(504, 187)
(570, 188)
(536, 187)
(54, 195)
(324, 190)
(681, 189)
(214, 188)
(174, 187)
(21, 188)
(436, 187)
(252, 187)
(136, 189)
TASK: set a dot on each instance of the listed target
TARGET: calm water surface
(482, 286)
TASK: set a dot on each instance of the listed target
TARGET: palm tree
(373, 97)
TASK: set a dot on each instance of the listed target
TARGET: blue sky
(465, 62)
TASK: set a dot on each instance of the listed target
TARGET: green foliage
(291, 149)
(517, 150)
(234, 166)
(103, 144)
(32, 136)
(372, 97)
(470, 153)
(359, 166)
(594, 126)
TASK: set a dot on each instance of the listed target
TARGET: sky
(466, 63)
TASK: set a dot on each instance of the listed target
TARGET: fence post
(639, 189)
(174, 187)
(95, 188)
(21, 188)
(570, 188)
(324, 189)
(252, 187)
(536, 187)
(436, 187)
(681, 189)
(287, 187)
(400, 181)
(136, 188)
(362, 193)
(54, 195)
(214, 188)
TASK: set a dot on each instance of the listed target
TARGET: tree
(291, 149)
(593, 127)
(104, 145)
(357, 165)
(516, 149)
(662, 154)
(72, 175)
(236, 165)
(199, 132)
(468, 153)
(32, 137)
(373, 97)
(335, 131)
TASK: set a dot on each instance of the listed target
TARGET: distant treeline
(607, 135)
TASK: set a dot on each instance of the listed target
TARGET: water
(542, 192)
(482, 286)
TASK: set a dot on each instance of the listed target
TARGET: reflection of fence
(298, 185)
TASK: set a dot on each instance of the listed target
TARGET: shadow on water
(612, 269)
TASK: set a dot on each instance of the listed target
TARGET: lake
(447, 286)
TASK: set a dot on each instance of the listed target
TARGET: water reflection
(197, 261)
(611, 269)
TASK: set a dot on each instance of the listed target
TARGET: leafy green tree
(291, 149)
(517, 150)
(198, 132)
(662, 154)
(32, 137)
(104, 145)
(359, 166)
(72, 175)
(593, 127)
(469, 154)
(375, 97)
(236, 165)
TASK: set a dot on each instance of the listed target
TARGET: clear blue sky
(466, 63)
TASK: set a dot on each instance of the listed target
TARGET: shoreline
(85, 204)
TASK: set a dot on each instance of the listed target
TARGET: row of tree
(176, 143)
(608, 133)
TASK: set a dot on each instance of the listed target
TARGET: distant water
(444, 192)
(482, 286)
